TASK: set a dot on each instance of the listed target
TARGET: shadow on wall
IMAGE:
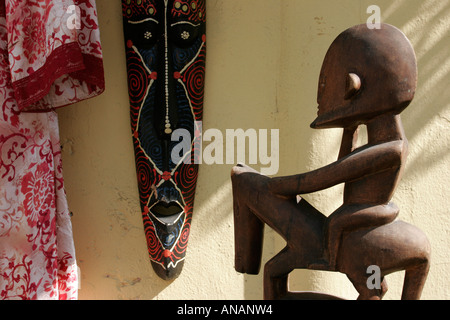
(429, 32)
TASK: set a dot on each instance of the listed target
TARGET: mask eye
(148, 35)
(142, 33)
(184, 34)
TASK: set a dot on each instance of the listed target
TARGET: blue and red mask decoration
(165, 49)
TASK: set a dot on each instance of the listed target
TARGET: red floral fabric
(50, 56)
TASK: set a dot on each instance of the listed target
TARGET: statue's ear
(353, 85)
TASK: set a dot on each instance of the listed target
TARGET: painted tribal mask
(165, 50)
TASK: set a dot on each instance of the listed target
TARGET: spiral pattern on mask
(184, 238)
(181, 57)
(138, 78)
(146, 177)
(194, 79)
(187, 176)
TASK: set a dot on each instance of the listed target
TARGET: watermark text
(374, 281)
(374, 21)
(235, 146)
(74, 20)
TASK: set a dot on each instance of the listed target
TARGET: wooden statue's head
(365, 73)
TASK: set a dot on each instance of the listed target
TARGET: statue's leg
(384, 288)
(280, 213)
(350, 218)
(248, 238)
(248, 230)
(414, 281)
(365, 293)
(299, 223)
(392, 247)
(276, 273)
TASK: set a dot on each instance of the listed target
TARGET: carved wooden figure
(368, 78)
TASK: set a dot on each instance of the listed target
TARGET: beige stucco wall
(264, 57)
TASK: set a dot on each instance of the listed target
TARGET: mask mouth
(168, 213)
(168, 220)
(166, 209)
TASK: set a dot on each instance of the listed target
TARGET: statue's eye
(322, 84)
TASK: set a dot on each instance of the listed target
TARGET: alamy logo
(230, 148)
(374, 281)
(74, 20)
(374, 21)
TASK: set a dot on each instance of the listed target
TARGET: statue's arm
(359, 163)
(349, 140)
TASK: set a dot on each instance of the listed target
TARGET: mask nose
(165, 114)
(167, 193)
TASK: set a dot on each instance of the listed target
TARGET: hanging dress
(50, 57)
